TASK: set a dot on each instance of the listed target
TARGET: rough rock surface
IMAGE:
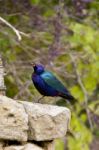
(23, 121)
(46, 122)
(28, 146)
(1, 145)
(14, 148)
(13, 120)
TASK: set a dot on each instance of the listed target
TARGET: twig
(17, 32)
(83, 89)
(22, 89)
(25, 34)
(12, 27)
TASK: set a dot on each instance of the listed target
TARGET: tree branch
(17, 32)
(83, 89)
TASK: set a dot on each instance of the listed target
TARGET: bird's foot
(40, 99)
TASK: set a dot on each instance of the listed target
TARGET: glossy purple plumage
(42, 87)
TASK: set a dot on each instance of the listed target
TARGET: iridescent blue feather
(51, 80)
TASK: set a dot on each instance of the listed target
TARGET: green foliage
(76, 90)
(82, 135)
(95, 107)
(59, 145)
(11, 83)
(35, 1)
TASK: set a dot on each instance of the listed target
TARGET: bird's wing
(52, 81)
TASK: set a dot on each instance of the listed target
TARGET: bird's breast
(42, 86)
(39, 83)
(35, 78)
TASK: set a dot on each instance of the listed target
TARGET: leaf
(35, 1)
(59, 145)
(94, 106)
(77, 92)
(83, 136)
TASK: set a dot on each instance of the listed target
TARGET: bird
(48, 84)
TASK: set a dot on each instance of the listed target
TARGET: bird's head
(38, 69)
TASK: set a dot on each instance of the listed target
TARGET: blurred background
(63, 35)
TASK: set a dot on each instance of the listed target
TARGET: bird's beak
(33, 64)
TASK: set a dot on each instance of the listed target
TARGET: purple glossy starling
(48, 85)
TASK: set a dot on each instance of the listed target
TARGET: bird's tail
(69, 98)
